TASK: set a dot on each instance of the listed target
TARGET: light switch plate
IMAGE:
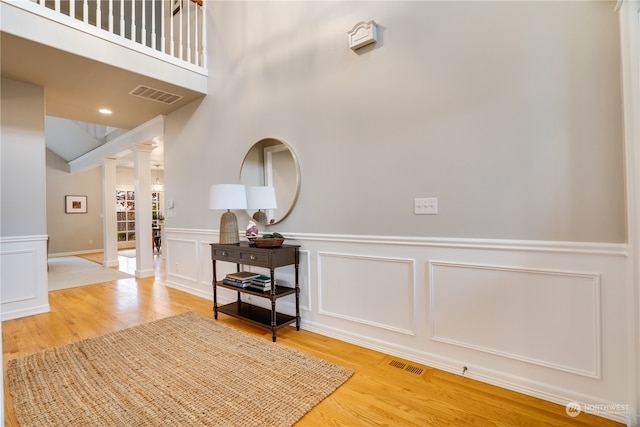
(425, 206)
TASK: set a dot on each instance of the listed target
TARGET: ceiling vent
(157, 95)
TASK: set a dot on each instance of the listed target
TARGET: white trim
(20, 239)
(629, 16)
(594, 248)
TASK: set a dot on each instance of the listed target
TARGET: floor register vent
(157, 95)
(408, 368)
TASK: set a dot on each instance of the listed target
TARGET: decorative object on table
(241, 279)
(251, 232)
(269, 240)
(202, 364)
(261, 198)
(75, 204)
(260, 283)
(227, 197)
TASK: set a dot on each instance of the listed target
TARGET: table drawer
(255, 258)
(230, 255)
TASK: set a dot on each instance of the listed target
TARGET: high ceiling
(76, 87)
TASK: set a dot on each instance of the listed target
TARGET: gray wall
(73, 232)
(508, 112)
(22, 160)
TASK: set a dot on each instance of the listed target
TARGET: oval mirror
(271, 163)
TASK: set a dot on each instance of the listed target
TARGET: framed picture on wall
(75, 204)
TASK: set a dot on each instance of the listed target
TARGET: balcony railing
(171, 27)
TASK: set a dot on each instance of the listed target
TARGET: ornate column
(142, 185)
(109, 224)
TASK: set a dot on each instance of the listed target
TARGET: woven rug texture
(184, 370)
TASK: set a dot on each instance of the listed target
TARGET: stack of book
(261, 283)
(241, 279)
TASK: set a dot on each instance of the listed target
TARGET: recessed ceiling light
(105, 111)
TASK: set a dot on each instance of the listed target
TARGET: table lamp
(227, 197)
(261, 198)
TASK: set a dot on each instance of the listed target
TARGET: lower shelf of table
(256, 315)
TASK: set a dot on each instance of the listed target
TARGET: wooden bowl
(268, 243)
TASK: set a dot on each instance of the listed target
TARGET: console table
(271, 258)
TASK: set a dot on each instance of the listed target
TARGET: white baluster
(110, 16)
(196, 36)
(122, 24)
(98, 14)
(143, 32)
(133, 21)
(85, 11)
(171, 35)
(162, 28)
(189, 6)
(153, 24)
(181, 33)
(204, 34)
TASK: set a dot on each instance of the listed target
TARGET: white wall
(508, 112)
(23, 239)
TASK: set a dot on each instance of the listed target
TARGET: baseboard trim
(15, 314)
(508, 382)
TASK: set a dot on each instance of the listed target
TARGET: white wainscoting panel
(345, 278)
(20, 264)
(550, 318)
(184, 258)
(23, 276)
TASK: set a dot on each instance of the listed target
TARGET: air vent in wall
(155, 94)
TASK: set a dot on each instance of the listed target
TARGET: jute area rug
(184, 370)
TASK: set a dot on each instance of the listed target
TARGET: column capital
(143, 148)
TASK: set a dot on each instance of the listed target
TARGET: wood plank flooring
(384, 390)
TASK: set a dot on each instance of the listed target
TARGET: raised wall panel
(183, 260)
(19, 267)
(550, 318)
(23, 276)
(375, 283)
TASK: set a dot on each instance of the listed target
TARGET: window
(156, 211)
(126, 215)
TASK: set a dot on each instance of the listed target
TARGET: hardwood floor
(384, 390)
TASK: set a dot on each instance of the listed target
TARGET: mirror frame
(296, 164)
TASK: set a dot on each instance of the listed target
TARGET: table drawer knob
(253, 257)
(225, 253)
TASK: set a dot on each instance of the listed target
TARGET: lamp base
(229, 229)
(260, 217)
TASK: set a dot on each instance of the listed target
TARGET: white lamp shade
(227, 196)
(261, 198)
